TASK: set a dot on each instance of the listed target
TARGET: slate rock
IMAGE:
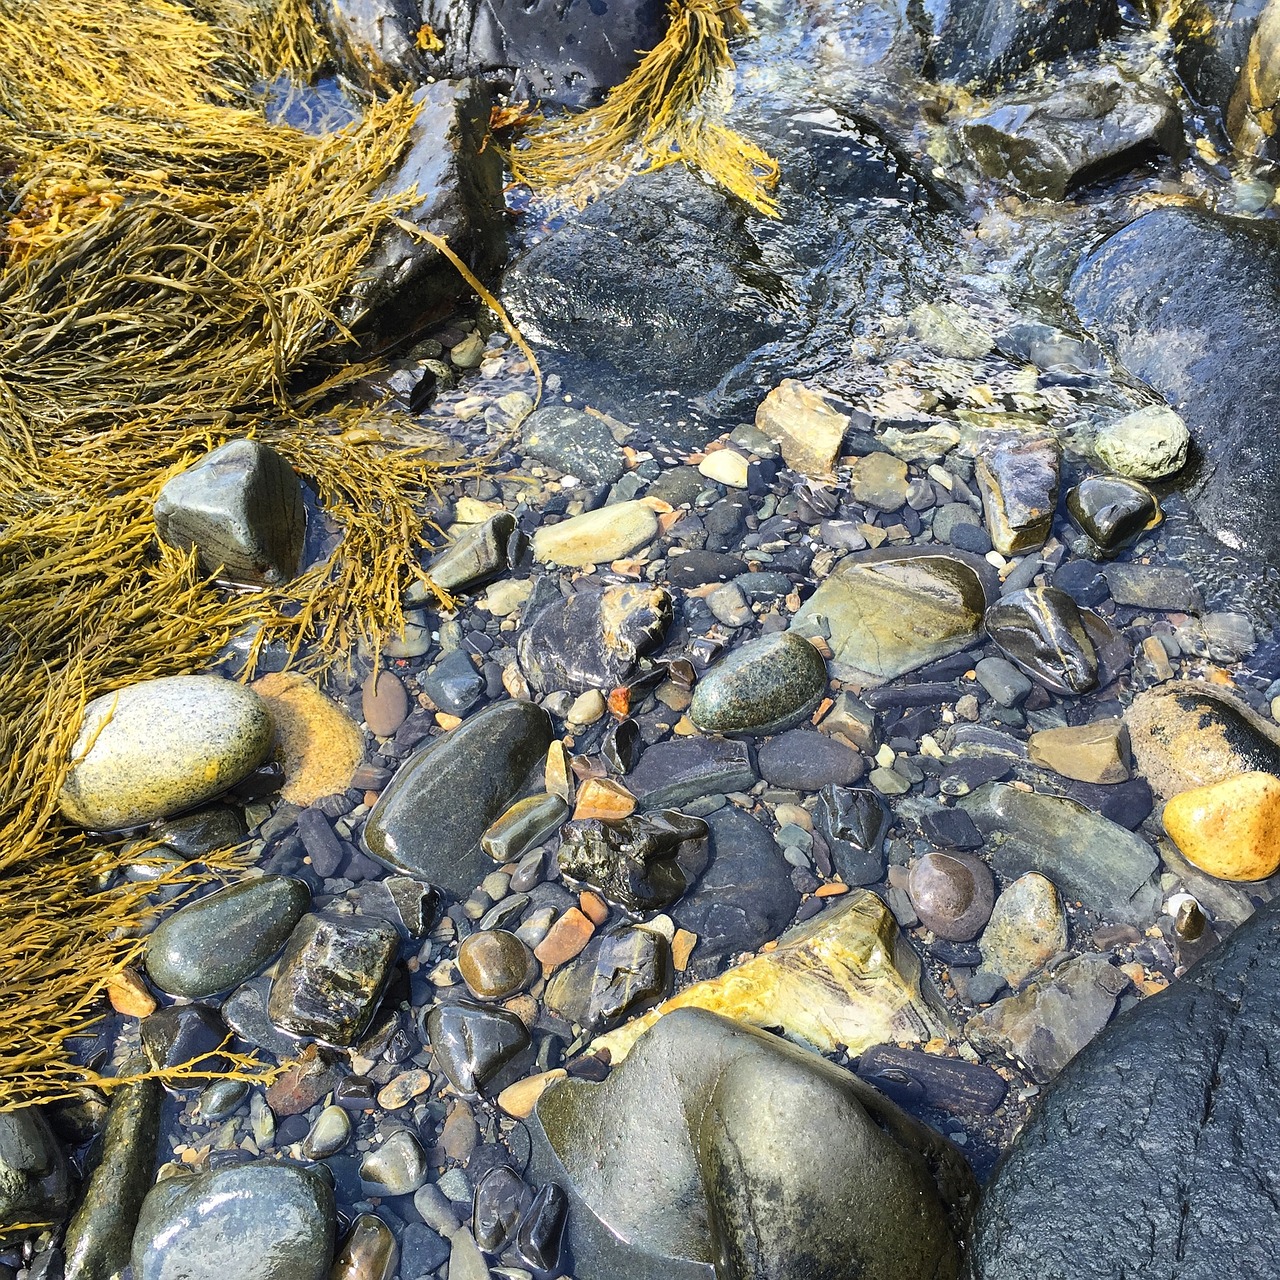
(593, 639)
(258, 1221)
(763, 686)
(454, 684)
(501, 1198)
(805, 761)
(241, 507)
(396, 1168)
(376, 41)
(633, 972)
(1091, 859)
(698, 568)
(1150, 586)
(642, 863)
(745, 896)
(855, 822)
(769, 1158)
(459, 186)
(153, 749)
(477, 555)
(574, 443)
(890, 611)
(332, 975)
(429, 821)
(539, 1237)
(1178, 294)
(912, 1079)
(1200, 1192)
(1040, 630)
(472, 1043)
(35, 1181)
(1018, 481)
(220, 940)
(674, 772)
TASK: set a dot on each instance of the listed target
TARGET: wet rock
(1018, 481)
(472, 1044)
(1003, 681)
(809, 430)
(1212, 44)
(35, 1182)
(153, 749)
(245, 1012)
(1091, 859)
(459, 185)
(384, 702)
(805, 761)
(946, 329)
(185, 1035)
(494, 964)
(376, 40)
(1046, 1025)
(675, 772)
(370, 1251)
(1040, 630)
(855, 822)
(1096, 121)
(538, 1240)
(1229, 828)
(574, 443)
(1197, 1054)
(633, 972)
(763, 686)
(890, 611)
(953, 894)
(500, 1200)
(429, 821)
(217, 941)
(846, 977)
(879, 480)
(1112, 511)
(99, 1236)
(477, 555)
(409, 904)
(594, 639)
(453, 684)
(1148, 444)
(329, 1133)
(311, 1076)
(987, 40)
(1179, 293)
(1188, 735)
(745, 897)
(909, 1078)
(259, 1221)
(596, 537)
(241, 507)
(1096, 752)
(332, 975)
(398, 1167)
(768, 1156)
(524, 824)
(643, 863)
(1027, 929)
(1148, 586)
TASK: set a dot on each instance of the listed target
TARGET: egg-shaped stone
(763, 686)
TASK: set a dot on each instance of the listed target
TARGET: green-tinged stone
(1041, 631)
(261, 1221)
(763, 686)
(1018, 481)
(429, 821)
(156, 748)
(889, 611)
(523, 825)
(35, 1183)
(370, 1251)
(215, 942)
(101, 1233)
(495, 964)
(478, 554)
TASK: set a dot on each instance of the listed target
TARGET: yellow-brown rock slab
(846, 977)
(1230, 829)
(604, 798)
(318, 744)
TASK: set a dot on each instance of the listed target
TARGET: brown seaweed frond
(659, 115)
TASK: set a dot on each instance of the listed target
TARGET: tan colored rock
(318, 744)
(1095, 752)
(603, 798)
(129, 995)
(565, 939)
(518, 1099)
(1230, 829)
(845, 978)
(725, 466)
(558, 777)
(1027, 929)
(809, 430)
(596, 537)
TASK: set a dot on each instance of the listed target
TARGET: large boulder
(1182, 296)
(1151, 1154)
(717, 1151)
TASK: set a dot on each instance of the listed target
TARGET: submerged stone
(35, 1181)
(890, 611)
(477, 555)
(574, 443)
(1113, 511)
(429, 821)
(1018, 481)
(153, 749)
(369, 1252)
(952, 893)
(763, 686)
(683, 769)
(1040, 630)
(472, 1043)
(241, 507)
(596, 537)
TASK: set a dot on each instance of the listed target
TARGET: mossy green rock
(160, 747)
(253, 1221)
(765, 685)
(716, 1150)
(889, 611)
(216, 942)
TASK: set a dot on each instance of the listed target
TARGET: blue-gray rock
(253, 1221)
(763, 1160)
(1041, 631)
(429, 821)
(222, 939)
(473, 1043)
(241, 507)
(454, 684)
(574, 443)
(673, 773)
(477, 555)
(763, 686)
(1199, 1183)
(806, 761)
(185, 1035)
(35, 1182)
